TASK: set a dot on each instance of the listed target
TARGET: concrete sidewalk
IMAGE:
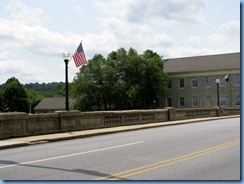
(25, 141)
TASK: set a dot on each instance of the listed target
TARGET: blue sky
(35, 33)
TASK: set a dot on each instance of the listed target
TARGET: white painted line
(71, 155)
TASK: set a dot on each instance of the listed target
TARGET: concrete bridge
(21, 124)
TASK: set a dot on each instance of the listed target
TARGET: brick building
(193, 81)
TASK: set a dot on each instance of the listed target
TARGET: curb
(14, 145)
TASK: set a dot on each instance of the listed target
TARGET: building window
(194, 83)
(169, 84)
(194, 102)
(237, 80)
(208, 82)
(223, 101)
(181, 83)
(169, 102)
(237, 100)
(182, 101)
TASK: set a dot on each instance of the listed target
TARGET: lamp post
(217, 83)
(66, 61)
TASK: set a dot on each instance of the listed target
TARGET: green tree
(33, 99)
(60, 90)
(1, 103)
(125, 80)
(154, 80)
(92, 85)
(14, 96)
(46, 89)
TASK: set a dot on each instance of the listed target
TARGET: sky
(35, 33)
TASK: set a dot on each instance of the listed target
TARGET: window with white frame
(237, 80)
(194, 83)
(181, 83)
(237, 100)
(208, 82)
(182, 102)
(194, 101)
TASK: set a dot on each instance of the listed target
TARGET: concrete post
(171, 113)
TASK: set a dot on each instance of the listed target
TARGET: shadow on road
(80, 171)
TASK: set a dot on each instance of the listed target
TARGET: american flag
(79, 56)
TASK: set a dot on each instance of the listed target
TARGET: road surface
(197, 151)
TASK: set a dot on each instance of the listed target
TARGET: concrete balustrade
(21, 124)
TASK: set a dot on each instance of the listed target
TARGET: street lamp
(66, 60)
(217, 82)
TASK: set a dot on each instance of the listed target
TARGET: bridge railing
(19, 124)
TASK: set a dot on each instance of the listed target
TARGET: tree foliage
(14, 96)
(36, 92)
(33, 98)
(123, 80)
(46, 89)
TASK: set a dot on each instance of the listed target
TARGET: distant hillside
(43, 88)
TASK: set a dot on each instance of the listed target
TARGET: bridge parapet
(19, 124)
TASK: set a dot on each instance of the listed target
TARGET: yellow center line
(168, 162)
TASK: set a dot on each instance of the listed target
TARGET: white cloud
(79, 10)
(217, 38)
(18, 11)
(154, 11)
(120, 23)
(232, 29)
(35, 38)
(23, 70)
(179, 51)
(120, 32)
(22, 29)
(26, 43)
(141, 24)
(195, 40)
(229, 34)
(135, 23)
(167, 10)
(112, 8)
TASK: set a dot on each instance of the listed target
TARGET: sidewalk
(25, 141)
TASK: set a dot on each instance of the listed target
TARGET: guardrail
(19, 124)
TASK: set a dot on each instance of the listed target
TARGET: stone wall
(22, 124)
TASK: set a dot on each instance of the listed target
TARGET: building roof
(203, 63)
(53, 104)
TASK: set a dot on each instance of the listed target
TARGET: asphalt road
(198, 151)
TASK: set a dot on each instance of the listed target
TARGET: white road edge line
(71, 155)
